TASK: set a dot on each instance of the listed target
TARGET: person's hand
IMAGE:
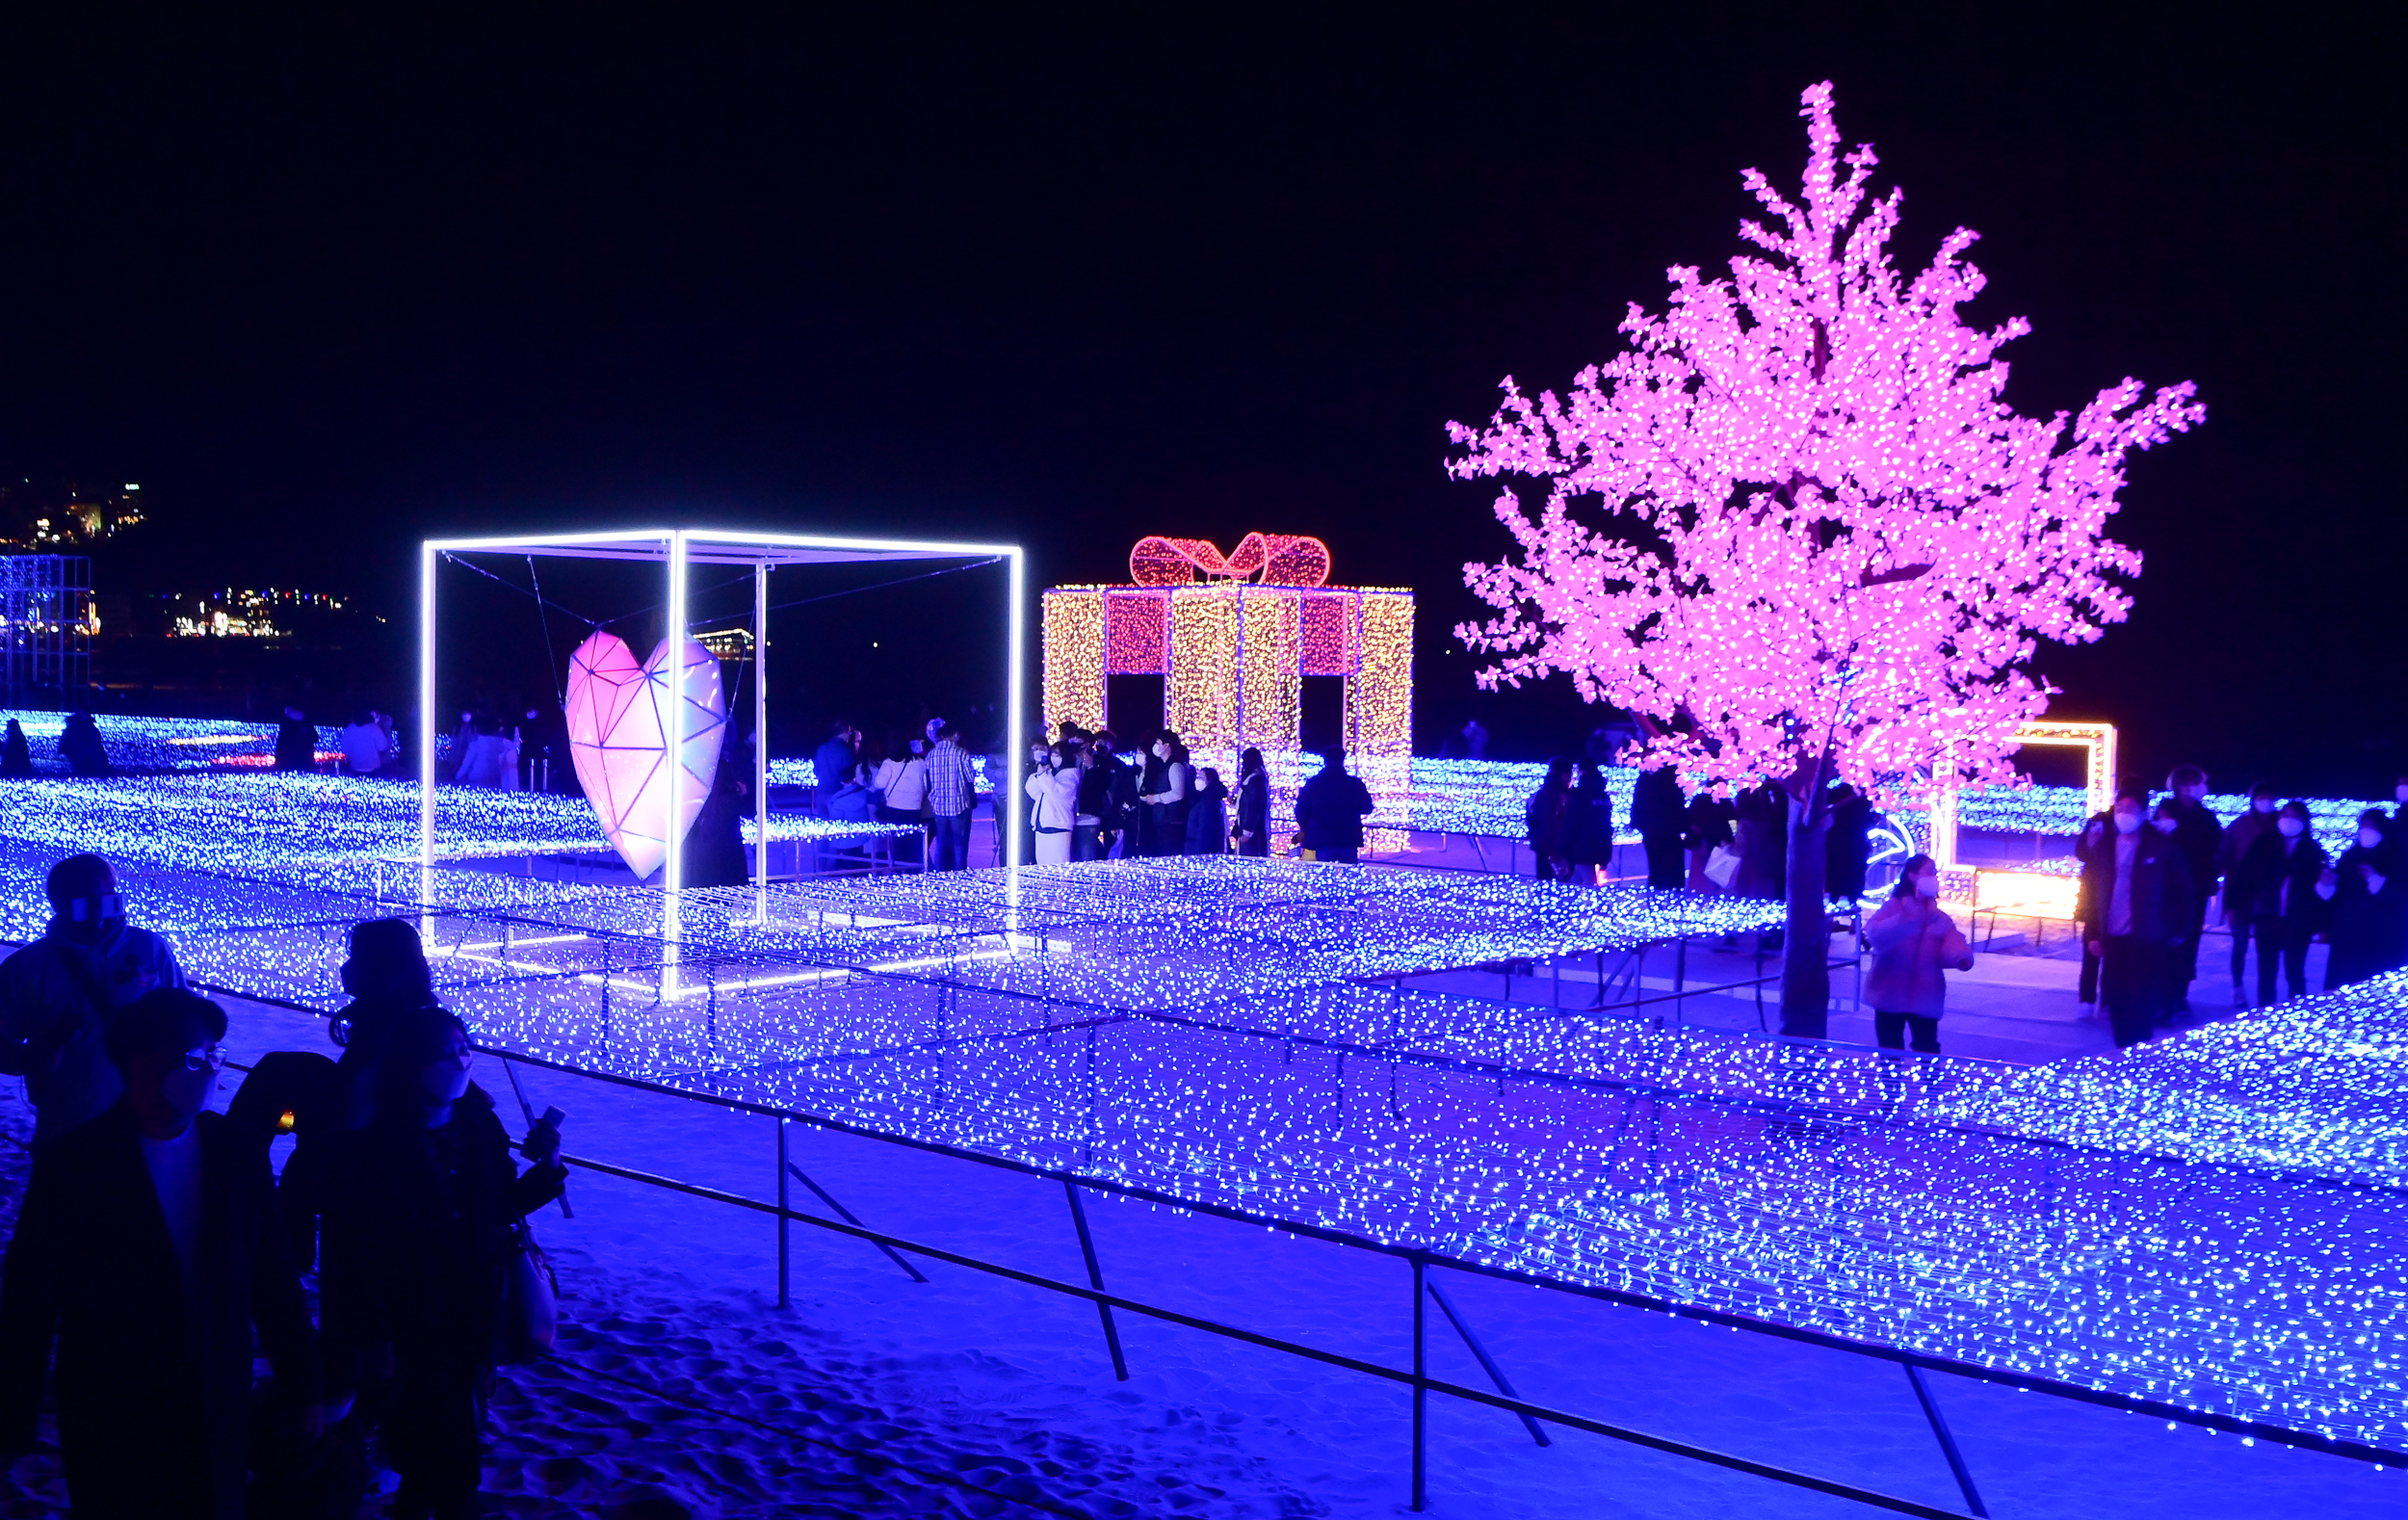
(2372, 878)
(543, 1145)
(2094, 947)
(1966, 965)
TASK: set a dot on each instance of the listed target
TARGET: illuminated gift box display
(1233, 636)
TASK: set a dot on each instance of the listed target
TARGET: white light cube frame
(677, 549)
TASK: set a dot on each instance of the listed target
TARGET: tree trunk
(1806, 948)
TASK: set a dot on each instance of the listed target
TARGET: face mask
(2127, 823)
(2290, 827)
(2165, 825)
(2266, 805)
(1928, 884)
(2369, 837)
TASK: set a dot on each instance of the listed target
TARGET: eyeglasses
(211, 1058)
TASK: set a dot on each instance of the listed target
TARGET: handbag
(531, 1304)
(1722, 863)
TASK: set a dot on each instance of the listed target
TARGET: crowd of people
(1737, 844)
(2156, 873)
(1089, 797)
(155, 1246)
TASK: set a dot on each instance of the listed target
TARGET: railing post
(1421, 1392)
(782, 1211)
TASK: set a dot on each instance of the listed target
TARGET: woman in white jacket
(1054, 797)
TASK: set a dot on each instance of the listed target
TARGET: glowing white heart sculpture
(620, 716)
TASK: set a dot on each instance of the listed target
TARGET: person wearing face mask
(2197, 833)
(1913, 943)
(1165, 795)
(2279, 876)
(2230, 849)
(57, 994)
(1053, 788)
(150, 1251)
(2137, 890)
(438, 1197)
(2094, 844)
(2369, 899)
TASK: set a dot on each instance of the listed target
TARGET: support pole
(1479, 1353)
(1095, 1279)
(761, 740)
(782, 1209)
(672, 710)
(427, 561)
(1421, 1393)
(1948, 1442)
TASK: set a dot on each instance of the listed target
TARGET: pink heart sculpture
(619, 714)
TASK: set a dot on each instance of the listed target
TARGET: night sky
(323, 283)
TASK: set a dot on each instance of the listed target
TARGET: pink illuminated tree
(1813, 541)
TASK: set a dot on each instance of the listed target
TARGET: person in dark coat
(1208, 815)
(2232, 847)
(149, 1250)
(79, 745)
(16, 756)
(1848, 849)
(2138, 894)
(295, 742)
(2095, 837)
(1546, 817)
(1588, 828)
(1329, 811)
(58, 995)
(2198, 833)
(436, 1198)
(1252, 830)
(714, 846)
(1657, 813)
(2279, 876)
(2368, 919)
(1708, 827)
(1764, 838)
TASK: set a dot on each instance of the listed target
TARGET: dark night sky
(326, 283)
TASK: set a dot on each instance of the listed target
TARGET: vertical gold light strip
(1072, 627)
(1379, 692)
(1272, 691)
(1204, 666)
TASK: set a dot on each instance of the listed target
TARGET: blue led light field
(2216, 1221)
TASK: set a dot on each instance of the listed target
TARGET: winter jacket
(2280, 882)
(1912, 942)
(56, 997)
(2162, 894)
(1329, 811)
(1657, 806)
(154, 1385)
(2368, 925)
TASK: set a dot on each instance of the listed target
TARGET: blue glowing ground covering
(161, 744)
(2216, 1222)
(338, 832)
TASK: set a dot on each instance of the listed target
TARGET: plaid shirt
(953, 786)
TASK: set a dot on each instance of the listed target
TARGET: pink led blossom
(1816, 520)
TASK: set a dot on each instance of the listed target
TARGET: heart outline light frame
(676, 549)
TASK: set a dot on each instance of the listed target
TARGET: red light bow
(1279, 559)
